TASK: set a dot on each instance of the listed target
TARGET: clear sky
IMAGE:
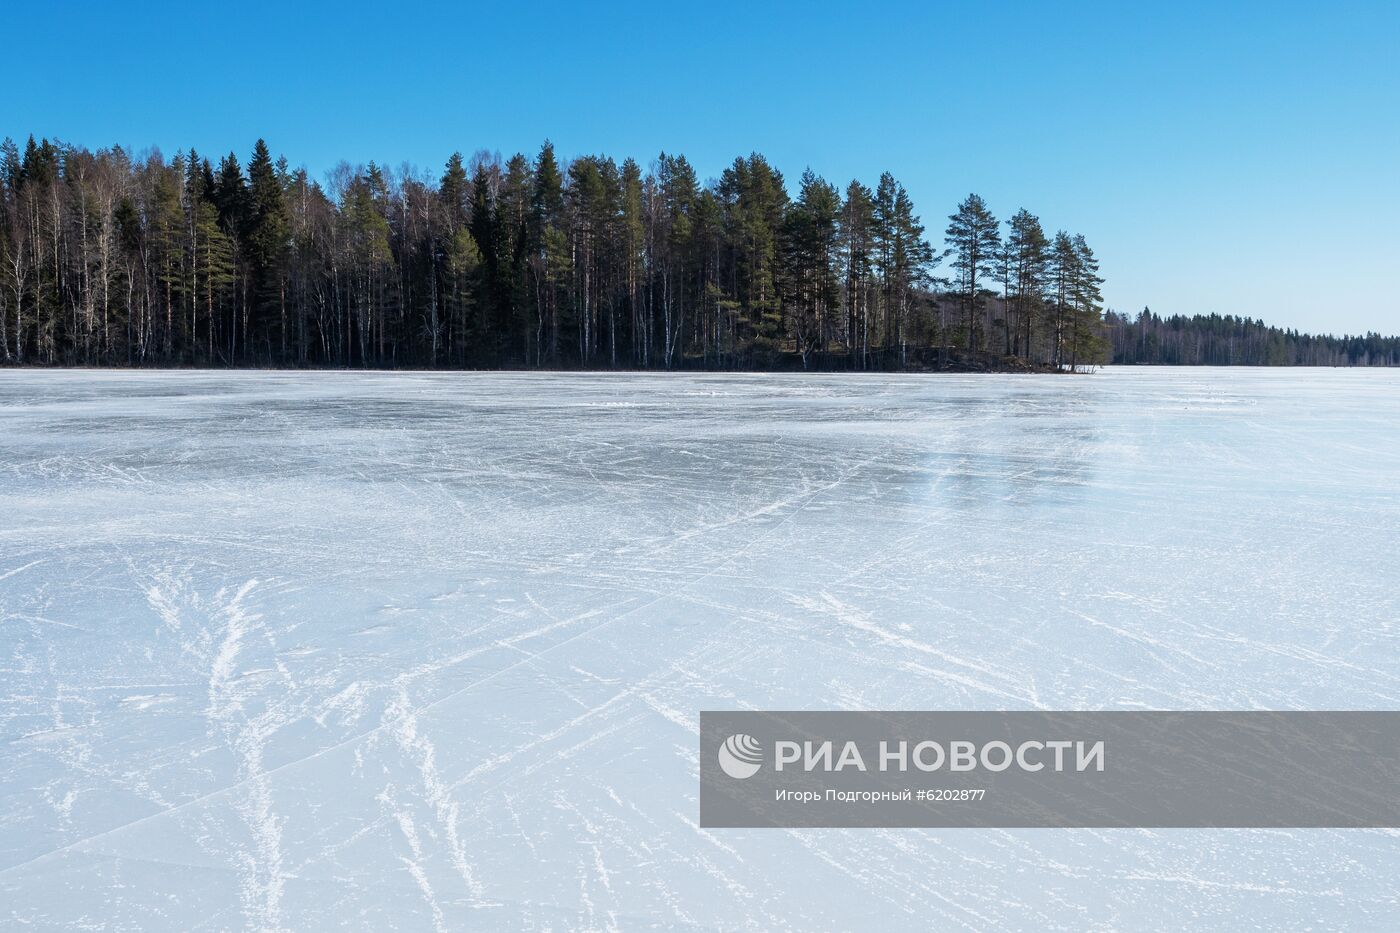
(1233, 157)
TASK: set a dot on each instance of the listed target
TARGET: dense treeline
(110, 259)
(1233, 341)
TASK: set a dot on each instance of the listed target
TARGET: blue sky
(1241, 158)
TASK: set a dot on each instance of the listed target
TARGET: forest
(110, 258)
(1225, 340)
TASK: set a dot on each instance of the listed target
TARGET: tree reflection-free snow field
(305, 650)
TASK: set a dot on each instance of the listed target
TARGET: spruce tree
(484, 232)
(548, 260)
(632, 234)
(516, 312)
(267, 241)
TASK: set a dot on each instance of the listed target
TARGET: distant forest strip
(1216, 340)
(107, 258)
(114, 260)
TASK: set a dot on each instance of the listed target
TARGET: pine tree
(1026, 249)
(752, 194)
(1063, 274)
(857, 218)
(212, 261)
(673, 247)
(884, 237)
(370, 262)
(167, 241)
(973, 241)
(454, 200)
(1086, 345)
(810, 242)
(913, 264)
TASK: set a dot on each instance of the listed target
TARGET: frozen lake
(301, 650)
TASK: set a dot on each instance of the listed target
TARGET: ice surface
(304, 650)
